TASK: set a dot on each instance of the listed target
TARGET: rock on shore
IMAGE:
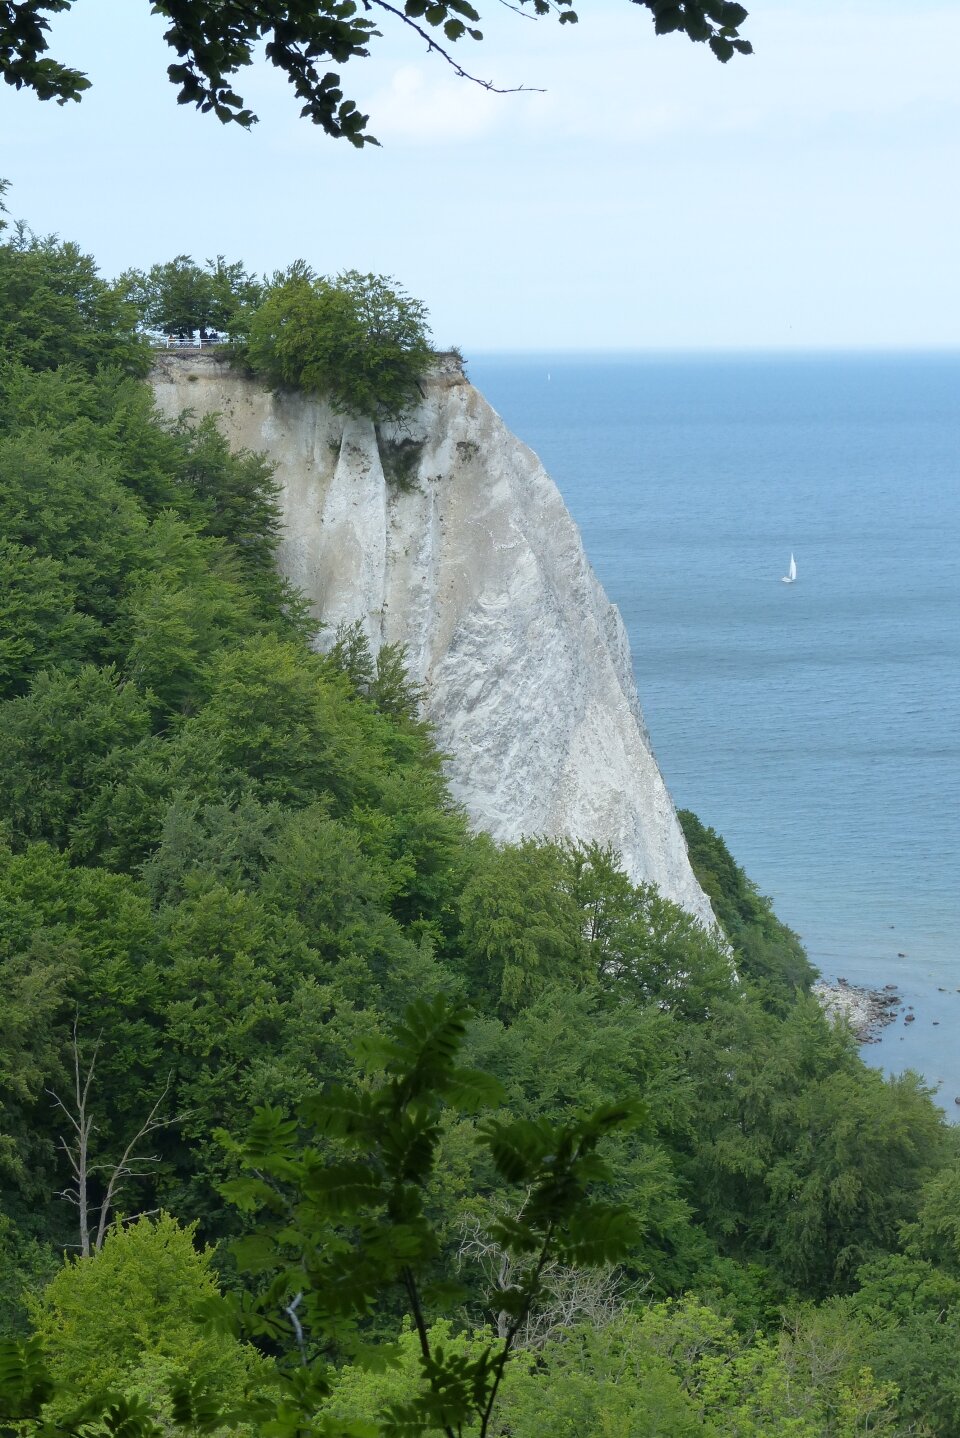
(865, 1010)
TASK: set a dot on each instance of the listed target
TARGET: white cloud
(420, 105)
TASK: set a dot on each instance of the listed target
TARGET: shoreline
(866, 1010)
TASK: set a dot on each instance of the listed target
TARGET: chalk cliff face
(467, 556)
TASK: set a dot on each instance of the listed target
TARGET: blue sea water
(815, 725)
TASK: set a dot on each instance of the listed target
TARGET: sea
(815, 725)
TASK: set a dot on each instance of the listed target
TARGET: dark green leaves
(558, 1166)
(128, 1417)
(716, 21)
(344, 1231)
(453, 1385)
(339, 1190)
(23, 63)
(25, 1383)
(197, 1407)
(215, 40)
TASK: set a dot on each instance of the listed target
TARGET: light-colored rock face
(477, 568)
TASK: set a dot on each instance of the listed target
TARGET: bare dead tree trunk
(124, 1169)
(129, 1166)
(78, 1152)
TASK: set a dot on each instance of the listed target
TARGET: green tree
(229, 968)
(358, 1392)
(358, 340)
(671, 1370)
(767, 951)
(39, 625)
(123, 1320)
(521, 928)
(598, 1379)
(62, 743)
(571, 1048)
(181, 297)
(75, 511)
(804, 1156)
(214, 40)
(595, 1382)
(642, 943)
(186, 606)
(235, 293)
(77, 946)
(106, 426)
(907, 1316)
(748, 1386)
(54, 307)
(341, 1226)
(26, 1265)
(35, 973)
(175, 297)
(935, 1235)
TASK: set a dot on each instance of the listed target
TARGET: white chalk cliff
(475, 565)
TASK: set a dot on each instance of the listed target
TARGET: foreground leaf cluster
(214, 40)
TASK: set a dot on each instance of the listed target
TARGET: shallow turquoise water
(814, 725)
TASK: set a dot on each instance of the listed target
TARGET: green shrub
(358, 340)
(143, 1287)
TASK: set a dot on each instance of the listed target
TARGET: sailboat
(791, 573)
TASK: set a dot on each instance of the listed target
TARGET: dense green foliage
(181, 298)
(675, 1369)
(55, 309)
(143, 1287)
(228, 865)
(358, 340)
(767, 951)
(215, 39)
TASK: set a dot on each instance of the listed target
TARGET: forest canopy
(611, 1172)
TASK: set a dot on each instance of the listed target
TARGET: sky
(643, 197)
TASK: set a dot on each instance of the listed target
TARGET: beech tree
(55, 308)
(214, 39)
(360, 340)
(143, 1284)
(180, 297)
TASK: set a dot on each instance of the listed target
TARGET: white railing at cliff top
(187, 342)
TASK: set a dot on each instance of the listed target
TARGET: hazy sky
(808, 196)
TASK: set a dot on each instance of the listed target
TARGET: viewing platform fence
(187, 342)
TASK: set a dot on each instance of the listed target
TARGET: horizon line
(719, 351)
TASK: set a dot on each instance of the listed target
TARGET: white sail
(791, 573)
